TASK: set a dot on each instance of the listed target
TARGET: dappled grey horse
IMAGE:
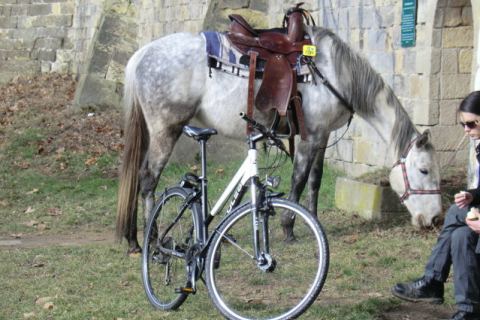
(168, 83)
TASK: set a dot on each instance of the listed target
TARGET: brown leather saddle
(280, 50)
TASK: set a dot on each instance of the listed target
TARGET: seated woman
(457, 244)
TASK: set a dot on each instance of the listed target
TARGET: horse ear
(423, 139)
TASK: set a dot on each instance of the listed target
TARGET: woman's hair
(471, 103)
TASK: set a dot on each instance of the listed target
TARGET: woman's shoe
(420, 290)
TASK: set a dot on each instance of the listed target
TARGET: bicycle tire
(241, 289)
(164, 274)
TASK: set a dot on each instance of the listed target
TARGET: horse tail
(136, 144)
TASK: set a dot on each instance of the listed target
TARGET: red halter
(408, 189)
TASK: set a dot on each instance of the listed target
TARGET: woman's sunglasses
(469, 124)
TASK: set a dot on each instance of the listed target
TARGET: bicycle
(251, 273)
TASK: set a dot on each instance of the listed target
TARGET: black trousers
(457, 246)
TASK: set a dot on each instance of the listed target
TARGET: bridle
(408, 189)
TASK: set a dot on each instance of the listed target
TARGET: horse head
(415, 177)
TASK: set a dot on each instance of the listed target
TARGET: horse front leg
(304, 156)
(315, 178)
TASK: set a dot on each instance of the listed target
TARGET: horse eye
(424, 171)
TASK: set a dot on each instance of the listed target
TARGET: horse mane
(360, 84)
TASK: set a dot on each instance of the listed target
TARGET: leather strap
(297, 103)
(251, 87)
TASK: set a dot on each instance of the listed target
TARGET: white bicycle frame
(247, 170)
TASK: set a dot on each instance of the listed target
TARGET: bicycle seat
(199, 133)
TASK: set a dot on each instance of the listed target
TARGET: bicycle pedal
(186, 290)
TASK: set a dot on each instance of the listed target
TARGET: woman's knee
(455, 214)
(463, 236)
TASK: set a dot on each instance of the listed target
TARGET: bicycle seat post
(203, 177)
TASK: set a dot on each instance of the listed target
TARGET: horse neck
(393, 125)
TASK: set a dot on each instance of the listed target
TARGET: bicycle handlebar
(270, 134)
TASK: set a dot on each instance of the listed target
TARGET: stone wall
(429, 78)
(34, 35)
(93, 39)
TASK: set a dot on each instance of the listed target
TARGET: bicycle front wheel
(164, 274)
(279, 283)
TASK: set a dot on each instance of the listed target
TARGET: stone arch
(451, 77)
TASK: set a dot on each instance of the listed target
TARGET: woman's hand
(473, 223)
(463, 199)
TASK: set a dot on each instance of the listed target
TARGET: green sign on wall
(409, 20)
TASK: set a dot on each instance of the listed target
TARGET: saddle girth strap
(251, 87)
(296, 100)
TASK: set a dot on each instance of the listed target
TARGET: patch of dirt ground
(98, 131)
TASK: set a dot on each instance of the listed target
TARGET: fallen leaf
(42, 227)
(28, 315)
(91, 161)
(43, 300)
(48, 306)
(32, 191)
(54, 212)
(3, 203)
(29, 210)
(31, 223)
(16, 235)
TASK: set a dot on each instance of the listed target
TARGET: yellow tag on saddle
(309, 50)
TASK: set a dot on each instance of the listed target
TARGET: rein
(314, 70)
(408, 189)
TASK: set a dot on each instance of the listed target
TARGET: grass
(72, 191)
(100, 282)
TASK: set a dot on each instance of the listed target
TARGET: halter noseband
(408, 189)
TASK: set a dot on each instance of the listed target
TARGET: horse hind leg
(159, 151)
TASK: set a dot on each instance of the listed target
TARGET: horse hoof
(134, 252)
(289, 236)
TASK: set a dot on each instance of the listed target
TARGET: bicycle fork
(261, 240)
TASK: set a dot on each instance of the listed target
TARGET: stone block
(377, 40)
(48, 43)
(453, 17)
(439, 18)
(53, 21)
(369, 152)
(386, 17)
(382, 61)
(449, 61)
(5, 11)
(343, 151)
(465, 59)
(233, 4)
(446, 138)
(459, 3)
(369, 18)
(40, 9)
(460, 37)
(63, 8)
(418, 87)
(19, 10)
(96, 91)
(448, 112)
(424, 113)
(455, 86)
(467, 17)
(434, 87)
(370, 201)
(436, 61)
(8, 22)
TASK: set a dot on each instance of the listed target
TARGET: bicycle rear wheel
(285, 283)
(164, 274)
